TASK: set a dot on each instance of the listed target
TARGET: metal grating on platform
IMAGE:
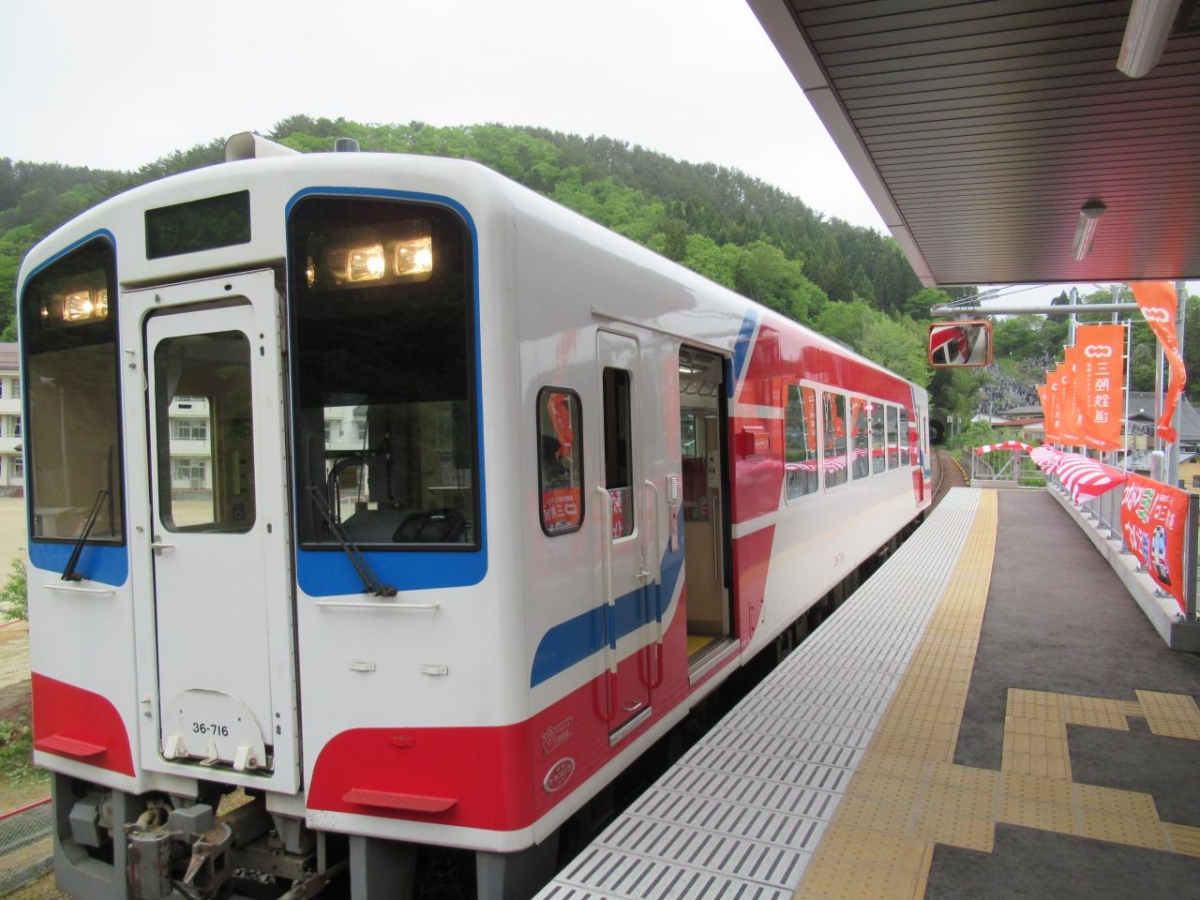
(739, 817)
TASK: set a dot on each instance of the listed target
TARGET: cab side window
(560, 460)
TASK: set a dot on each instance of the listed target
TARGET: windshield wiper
(69, 573)
(369, 579)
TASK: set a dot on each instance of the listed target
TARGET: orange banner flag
(1159, 304)
(1100, 383)
(1072, 432)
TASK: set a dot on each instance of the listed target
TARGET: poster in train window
(834, 461)
(878, 437)
(860, 430)
(800, 442)
(560, 460)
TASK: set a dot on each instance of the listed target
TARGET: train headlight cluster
(401, 258)
(76, 307)
(82, 306)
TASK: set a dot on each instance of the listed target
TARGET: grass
(14, 601)
(16, 754)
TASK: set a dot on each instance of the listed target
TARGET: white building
(190, 440)
(191, 447)
(12, 463)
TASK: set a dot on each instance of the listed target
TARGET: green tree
(896, 345)
(845, 322)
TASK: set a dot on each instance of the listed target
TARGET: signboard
(1154, 523)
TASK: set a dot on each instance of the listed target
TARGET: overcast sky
(119, 84)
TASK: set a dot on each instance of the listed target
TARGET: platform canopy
(980, 130)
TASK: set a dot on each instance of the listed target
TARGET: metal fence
(26, 845)
(1002, 468)
(1105, 513)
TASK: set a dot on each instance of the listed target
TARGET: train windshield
(70, 345)
(383, 361)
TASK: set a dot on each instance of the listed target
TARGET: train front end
(258, 562)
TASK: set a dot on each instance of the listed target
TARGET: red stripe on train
(79, 724)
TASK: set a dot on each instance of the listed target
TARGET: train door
(221, 583)
(625, 567)
(703, 451)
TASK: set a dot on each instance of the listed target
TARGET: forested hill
(847, 281)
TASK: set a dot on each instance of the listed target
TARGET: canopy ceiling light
(1146, 33)
(1085, 231)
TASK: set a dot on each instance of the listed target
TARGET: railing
(26, 845)
(1104, 514)
(1003, 468)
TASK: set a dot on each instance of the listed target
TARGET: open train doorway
(703, 432)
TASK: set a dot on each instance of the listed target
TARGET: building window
(189, 429)
(16, 389)
(17, 467)
(189, 472)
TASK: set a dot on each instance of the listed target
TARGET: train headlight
(414, 258)
(366, 263)
(85, 306)
(370, 256)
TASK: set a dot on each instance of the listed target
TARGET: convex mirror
(965, 344)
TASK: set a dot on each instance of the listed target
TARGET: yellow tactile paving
(1096, 712)
(1183, 838)
(913, 751)
(907, 795)
(1120, 829)
(1170, 715)
(1016, 810)
(968, 832)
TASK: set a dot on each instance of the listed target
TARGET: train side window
(560, 460)
(800, 444)
(860, 429)
(834, 459)
(618, 449)
(878, 438)
(906, 440)
(893, 439)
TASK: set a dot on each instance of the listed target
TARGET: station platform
(989, 716)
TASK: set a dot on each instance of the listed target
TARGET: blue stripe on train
(741, 350)
(105, 564)
(574, 640)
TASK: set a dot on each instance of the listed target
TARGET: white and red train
(412, 504)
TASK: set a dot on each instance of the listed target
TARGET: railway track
(947, 473)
